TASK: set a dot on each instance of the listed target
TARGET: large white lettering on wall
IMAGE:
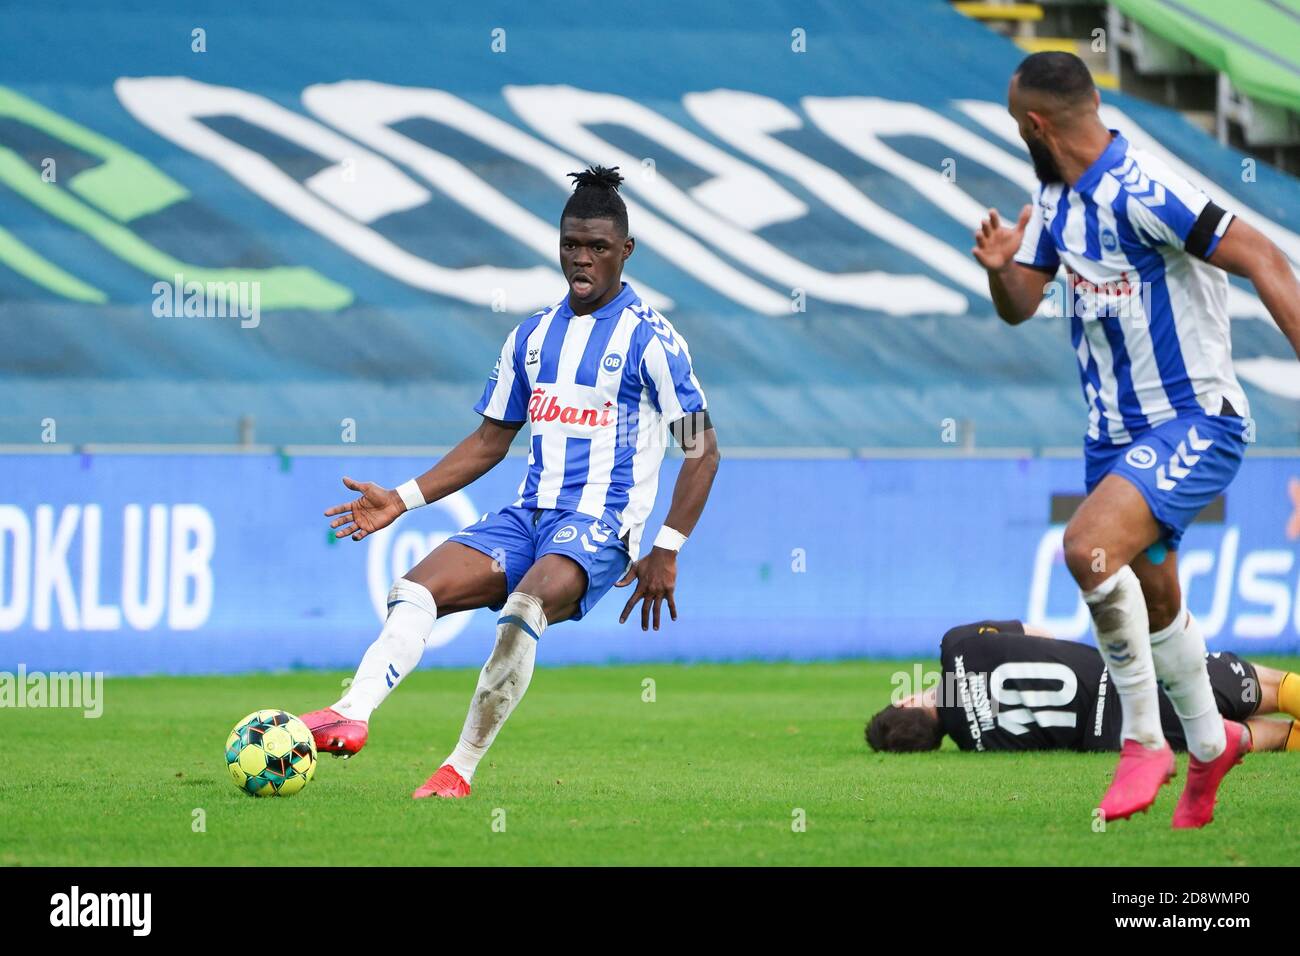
(53, 561)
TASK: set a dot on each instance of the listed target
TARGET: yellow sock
(1293, 738)
(1288, 695)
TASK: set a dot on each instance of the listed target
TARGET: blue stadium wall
(215, 563)
(817, 171)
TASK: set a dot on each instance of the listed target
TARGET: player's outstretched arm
(1245, 251)
(656, 573)
(1016, 289)
(378, 507)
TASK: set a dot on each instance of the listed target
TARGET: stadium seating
(803, 194)
(1240, 62)
(1068, 26)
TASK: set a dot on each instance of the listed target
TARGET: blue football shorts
(516, 537)
(1180, 466)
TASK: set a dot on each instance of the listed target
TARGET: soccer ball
(271, 753)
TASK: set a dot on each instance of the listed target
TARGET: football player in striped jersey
(1145, 254)
(601, 379)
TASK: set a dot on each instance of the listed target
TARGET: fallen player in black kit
(1007, 687)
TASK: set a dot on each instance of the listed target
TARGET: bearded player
(1144, 251)
(602, 379)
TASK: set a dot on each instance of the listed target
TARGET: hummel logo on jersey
(540, 409)
(1141, 187)
(532, 356)
(1180, 465)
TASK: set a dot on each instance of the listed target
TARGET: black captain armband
(687, 427)
(1208, 224)
(501, 423)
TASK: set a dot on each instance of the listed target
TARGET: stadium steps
(1009, 19)
(1053, 25)
(1239, 63)
(1218, 67)
(1017, 12)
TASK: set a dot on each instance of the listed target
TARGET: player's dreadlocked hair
(595, 196)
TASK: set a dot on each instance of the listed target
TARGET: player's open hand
(655, 576)
(378, 507)
(995, 244)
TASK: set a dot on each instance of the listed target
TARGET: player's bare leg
(1110, 529)
(1161, 591)
(1271, 734)
(1279, 693)
(451, 578)
(549, 593)
(1174, 647)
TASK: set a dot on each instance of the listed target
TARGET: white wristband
(411, 495)
(669, 540)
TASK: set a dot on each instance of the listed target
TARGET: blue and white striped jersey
(599, 392)
(1148, 316)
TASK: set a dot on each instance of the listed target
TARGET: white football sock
(1119, 617)
(1179, 655)
(502, 682)
(395, 653)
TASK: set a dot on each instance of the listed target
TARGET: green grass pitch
(714, 771)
